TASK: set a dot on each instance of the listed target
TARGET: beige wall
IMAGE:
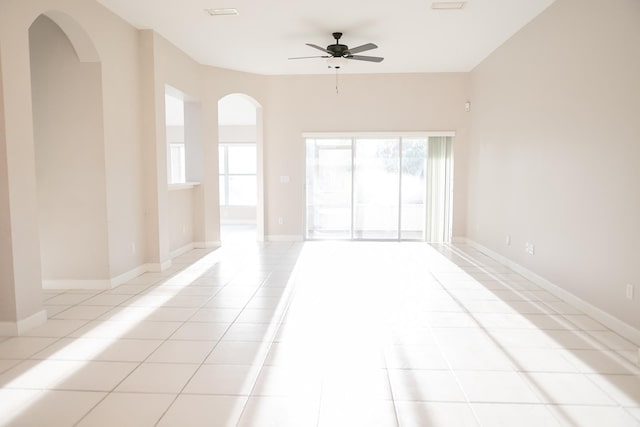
(555, 152)
(375, 102)
(181, 214)
(117, 43)
(171, 67)
(69, 151)
(99, 36)
(7, 291)
(23, 252)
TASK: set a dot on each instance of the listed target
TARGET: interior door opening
(241, 196)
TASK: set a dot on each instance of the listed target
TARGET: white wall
(70, 164)
(555, 152)
(237, 133)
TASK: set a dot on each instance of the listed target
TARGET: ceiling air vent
(448, 5)
(222, 12)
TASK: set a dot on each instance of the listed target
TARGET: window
(177, 173)
(237, 169)
(176, 159)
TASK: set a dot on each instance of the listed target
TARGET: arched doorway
(66, 87)
(240, 168)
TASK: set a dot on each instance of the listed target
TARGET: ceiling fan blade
(307, 57)
(365, 58)
(363, 48)
(319, 48)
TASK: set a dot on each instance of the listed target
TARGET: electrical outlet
(280, 220)
(530, 248)
(508, 240)
(629, 291)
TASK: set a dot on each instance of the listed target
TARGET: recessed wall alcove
(66, 86)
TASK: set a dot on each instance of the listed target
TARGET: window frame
(447, 172)
(223, 177)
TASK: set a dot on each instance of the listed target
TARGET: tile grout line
(269, 274)
(288, 301)
(154, 284)
(393, 399)
(521, 372)
(446, 358)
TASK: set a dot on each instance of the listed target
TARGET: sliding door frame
(353, 136)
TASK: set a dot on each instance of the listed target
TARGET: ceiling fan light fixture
(222, 11)
(336, 62)
(448, 5)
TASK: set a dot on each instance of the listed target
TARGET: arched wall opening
(240, 165)
(66, 87)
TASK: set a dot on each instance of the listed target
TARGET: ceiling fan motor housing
(338, 50)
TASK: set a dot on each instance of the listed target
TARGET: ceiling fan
(338, 50)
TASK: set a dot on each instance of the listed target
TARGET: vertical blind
(439, 190)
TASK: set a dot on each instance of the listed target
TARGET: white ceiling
(411, 36)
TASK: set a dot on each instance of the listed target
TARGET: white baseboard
(238, 222)
(125, 277)
(23, 326)
(94, 284)
(77, 284)
(158, 267)
(183, 250)
(206, 245)
(284, 238)
(610, 321)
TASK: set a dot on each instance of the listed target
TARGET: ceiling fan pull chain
(336, 80)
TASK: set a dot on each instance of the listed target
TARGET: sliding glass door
(376, 184)
(378, 188)
(329, 178)
(413, 189)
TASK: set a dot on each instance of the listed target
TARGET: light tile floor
(320, 334)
